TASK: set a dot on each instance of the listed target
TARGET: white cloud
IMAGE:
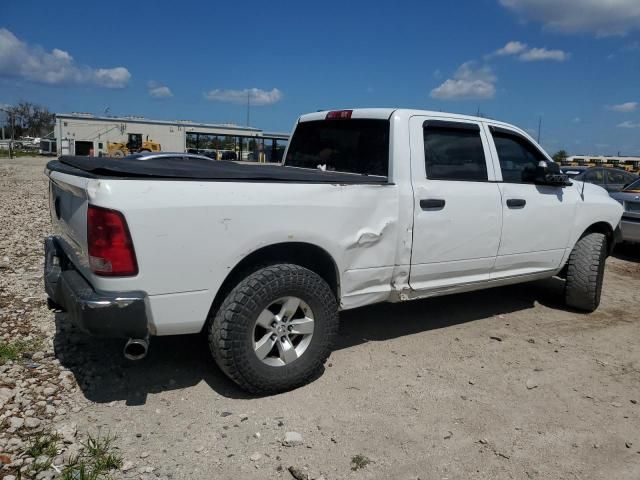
(628, 124)
(539, 54)
(33, 63)
(601, 17)
(623, 107)
(527, 54)
(469, 82)
(256, 96)
(511, 48)
(157, 90)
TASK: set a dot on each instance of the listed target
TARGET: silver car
(629, 197)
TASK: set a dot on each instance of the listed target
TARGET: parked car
(611, 179)
(371, 205)
(629, 197)
(573, 171)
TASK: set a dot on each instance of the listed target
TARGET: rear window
(352, 146)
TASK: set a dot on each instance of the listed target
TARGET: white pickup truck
(371, 205)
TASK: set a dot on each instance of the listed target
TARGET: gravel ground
(500, 384)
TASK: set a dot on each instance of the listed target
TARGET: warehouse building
(90, 135)
(628, 163)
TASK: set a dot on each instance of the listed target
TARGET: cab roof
(406, 113)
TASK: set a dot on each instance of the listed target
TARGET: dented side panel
(189, 235)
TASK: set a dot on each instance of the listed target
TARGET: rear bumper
(105, 314)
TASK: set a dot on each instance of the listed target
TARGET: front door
(457, 214)
(537, 220)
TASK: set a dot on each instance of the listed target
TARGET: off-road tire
(230, 332)
(585, 272)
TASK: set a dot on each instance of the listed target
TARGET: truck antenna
(539, 127)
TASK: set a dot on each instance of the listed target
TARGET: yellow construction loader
(135, 144)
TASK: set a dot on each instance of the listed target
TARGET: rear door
(537, 220)
(457, 214)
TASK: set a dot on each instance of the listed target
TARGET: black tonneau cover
(190, 168)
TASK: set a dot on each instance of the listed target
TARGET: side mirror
(549, 173)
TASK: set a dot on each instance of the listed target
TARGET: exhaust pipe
(136, 348)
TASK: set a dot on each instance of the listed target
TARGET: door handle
(432, 204)
(516, 202)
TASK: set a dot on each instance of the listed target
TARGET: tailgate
(68, 200)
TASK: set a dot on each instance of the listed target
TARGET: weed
(43, 444)
(14, 350)
(359, 461)
(43, 447)
(95, 462)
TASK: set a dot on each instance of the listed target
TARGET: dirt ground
(500, 384)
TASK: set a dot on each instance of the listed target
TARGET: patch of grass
(96, 461)
(15, 350)
(18, 153)
(359, 461)
(42, 444)
(8, 351)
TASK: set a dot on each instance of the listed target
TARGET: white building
(86, 134)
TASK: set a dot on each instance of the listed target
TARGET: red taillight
(339, 115)
(110, 247)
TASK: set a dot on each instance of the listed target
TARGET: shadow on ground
(628, 251)
(184, 361)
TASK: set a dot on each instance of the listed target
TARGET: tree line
(28, 119)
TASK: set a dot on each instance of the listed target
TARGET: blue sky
(575, 63)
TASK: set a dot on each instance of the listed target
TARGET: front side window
(354, 146)
(453, 152)
(518, 157)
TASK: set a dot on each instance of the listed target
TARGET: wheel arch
(606, 229)
(306, 255)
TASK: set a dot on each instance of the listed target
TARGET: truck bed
(189, 168)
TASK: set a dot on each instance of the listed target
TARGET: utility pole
(248, 106)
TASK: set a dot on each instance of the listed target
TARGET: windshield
(352, 146)
(633, 186)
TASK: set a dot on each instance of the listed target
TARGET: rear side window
(518, 158)
(454, 152)
(352, 146)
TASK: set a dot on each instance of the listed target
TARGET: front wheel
(585, 272)
(275, 330)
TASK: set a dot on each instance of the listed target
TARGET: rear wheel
(585, 272)
(275, 330)
(118, 154)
